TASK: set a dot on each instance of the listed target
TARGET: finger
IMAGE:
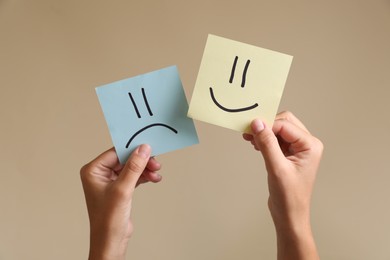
(135, 166)
(105, 165)
(266, 141)
(140, 181)
(149, 176)
(247, 137)
(107, 159)
(153, 165)
(153, 176)
(289, 116)
(297, 138)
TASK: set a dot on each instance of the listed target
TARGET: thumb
(135, 166)
(267, 143)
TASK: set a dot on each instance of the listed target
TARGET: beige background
(212, 202)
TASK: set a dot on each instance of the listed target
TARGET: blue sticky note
(150, 108)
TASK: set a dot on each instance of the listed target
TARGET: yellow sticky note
(237, 83)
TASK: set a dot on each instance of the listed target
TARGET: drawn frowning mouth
(147, 127)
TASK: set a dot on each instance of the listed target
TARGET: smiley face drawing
(150, 108)
(237, 83)
(234, 110)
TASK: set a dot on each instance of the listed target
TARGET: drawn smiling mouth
(149, 126)
(231, 110)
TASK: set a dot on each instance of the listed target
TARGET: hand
(108, 188)
(292, 156)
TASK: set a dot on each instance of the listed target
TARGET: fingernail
(144, 150)
(257, 126)
(158, 176)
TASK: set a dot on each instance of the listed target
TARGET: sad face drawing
(150, 108)
(150, 114)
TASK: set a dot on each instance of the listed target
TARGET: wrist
(293, 232)
(105, 247)
(295, 240)
(296, 245)
(293, 224)
(292, 219)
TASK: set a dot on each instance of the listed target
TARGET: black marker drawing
(233, 70)
(149, 126)
(139, 116)
(146, 102)
(135, 106)
(244, 74)
(231, 110)
(234, 110)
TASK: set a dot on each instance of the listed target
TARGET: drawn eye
(233, 70)
(244, 73)
(146, 103)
